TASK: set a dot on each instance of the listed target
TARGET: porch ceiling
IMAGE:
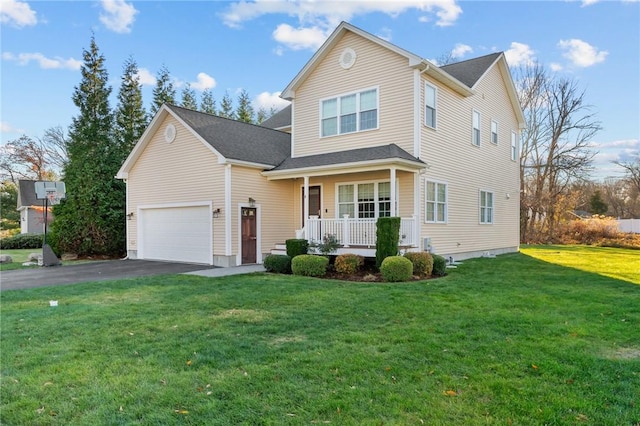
(350, 161)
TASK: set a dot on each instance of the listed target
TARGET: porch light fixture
(216, 213)
(252, 202)
(130, 216)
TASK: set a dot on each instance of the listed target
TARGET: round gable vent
(347, 58)
(170, 133)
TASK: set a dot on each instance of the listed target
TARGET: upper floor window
(486, 207)
(494, 131)
(430, 96)
(436, 202)
(476, 128)
(349, 113)
(514, 146)
(365, 200)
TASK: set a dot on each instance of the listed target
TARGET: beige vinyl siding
(375, 66)
(467, 169)
(275, 200)
(158, 176)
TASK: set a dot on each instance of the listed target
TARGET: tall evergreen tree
(189, 98)
(226, 106)
(91, 219)
(244, 112)
(131, 118)
(208, 103)
(164, 90)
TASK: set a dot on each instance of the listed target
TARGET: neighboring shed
(31, 209)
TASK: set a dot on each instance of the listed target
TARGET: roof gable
(232, 141)
(471, 71)
(27, 194)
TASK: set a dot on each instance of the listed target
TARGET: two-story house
(372, 130)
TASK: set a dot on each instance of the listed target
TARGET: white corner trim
(227, 208)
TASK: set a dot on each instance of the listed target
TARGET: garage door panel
(180, 234)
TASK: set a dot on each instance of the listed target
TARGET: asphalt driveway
(94, 271)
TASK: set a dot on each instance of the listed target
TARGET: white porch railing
(356, 232)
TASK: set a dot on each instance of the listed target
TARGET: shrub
(422, 263)
(348, 263)
(296, 247)
(588, 231)
(278, 263)
(439, 266)
(328, 245)
(387, 236)
(309, 265)
(396, 268)
(22, 241)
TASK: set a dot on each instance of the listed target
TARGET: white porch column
(305, 202)
(392, 173)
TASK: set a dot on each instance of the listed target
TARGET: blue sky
(260, 46)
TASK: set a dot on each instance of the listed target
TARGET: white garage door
(181, 234)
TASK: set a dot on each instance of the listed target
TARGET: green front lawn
(512, 340)
(19, 257)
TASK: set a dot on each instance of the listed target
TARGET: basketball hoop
(53, 197)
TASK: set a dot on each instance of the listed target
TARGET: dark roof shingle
(236, 140)
(27, 194)
(384, 152)
(279, 120)
(469, 71)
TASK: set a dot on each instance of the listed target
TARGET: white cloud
(300, 38)
(608, 152)
(146, 78)
(581, 53)
(8, 128)
(17, 13)
(316, 19)
(555, 67)
(519, 54)
(118, 15)
(43, 61)
(204, 82)
(586, 3)
(459, 50)
(385, 34)
(268, 100)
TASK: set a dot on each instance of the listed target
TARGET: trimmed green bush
(387, 237)
(348, 263)
(296, 247)
(396, 268)
(422, 263)
(309, 265)
(22, 241)
(278, 263)
(439, 266)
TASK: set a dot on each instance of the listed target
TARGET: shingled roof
(470, 71)
(27, 194)
(353, 156)
(279, 120)
(236, 140)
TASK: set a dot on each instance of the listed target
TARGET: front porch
(355, 232)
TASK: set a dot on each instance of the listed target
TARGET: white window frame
(355, 201)
(434, 107)
(475, 128)
(436, 202)
(358, 112)
(494, 126)
(486, 211)
(514, 146)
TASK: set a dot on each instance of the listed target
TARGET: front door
(314, 202)
(249, 237)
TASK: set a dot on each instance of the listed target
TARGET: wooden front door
(314, 202)
(249, 237)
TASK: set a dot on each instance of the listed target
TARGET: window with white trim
(430, 105)
(494, 132)
(514, 146)
(352, 112)
(364, 200)
(486, 207)
(476, 128)
(435, 202)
